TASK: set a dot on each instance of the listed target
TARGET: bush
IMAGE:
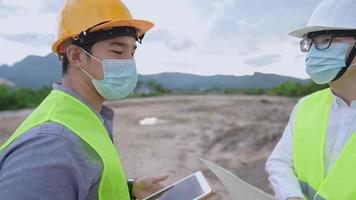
(296, 89)
(11, 98)
(289, 89)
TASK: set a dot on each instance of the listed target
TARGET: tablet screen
(187, 189)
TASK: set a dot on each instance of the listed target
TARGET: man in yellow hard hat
(64, 150)
(315, 157)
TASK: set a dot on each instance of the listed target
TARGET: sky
(206, 37)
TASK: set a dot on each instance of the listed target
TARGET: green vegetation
(296, 89)
(288, 89)
(150, 89)
(250, 91)
(17, 98)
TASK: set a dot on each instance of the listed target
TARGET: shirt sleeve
(41, 167)
(279, 165)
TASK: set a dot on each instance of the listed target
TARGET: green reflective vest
(309, 134)
(76, 116)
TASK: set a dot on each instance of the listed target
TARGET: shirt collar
(106, 115)
(339, 103)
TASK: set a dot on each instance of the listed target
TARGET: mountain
(37, 71)
(181, 81)
(33, 71)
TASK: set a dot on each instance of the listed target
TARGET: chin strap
(348, 63)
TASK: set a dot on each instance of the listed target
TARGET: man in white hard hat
(315, 157)
(64, 150)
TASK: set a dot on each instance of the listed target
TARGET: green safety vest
(309, 135)
(64, 109)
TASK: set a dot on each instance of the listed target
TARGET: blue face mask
(120, 78)
(324, 65)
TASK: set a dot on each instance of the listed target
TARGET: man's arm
(279, 166)
(44, 166)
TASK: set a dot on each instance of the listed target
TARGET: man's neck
(84, 90)
(345, 89)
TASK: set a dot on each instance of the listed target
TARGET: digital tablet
(193, 187)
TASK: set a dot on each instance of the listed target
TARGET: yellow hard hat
(77, 16)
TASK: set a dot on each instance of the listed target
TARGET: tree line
(18, 98)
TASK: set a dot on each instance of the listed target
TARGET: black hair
(337, 33)
(65, 63)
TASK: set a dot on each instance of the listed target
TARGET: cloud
(263, 60)
(51, 6)
(243, 23)
(29, 21)
(6, 10)
(231, 18)
(31, 39)
(170, 41)
(193, 36)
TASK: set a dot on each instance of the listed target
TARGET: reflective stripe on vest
(76, 116)
(309, 135)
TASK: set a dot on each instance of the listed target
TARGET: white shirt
(279, 166)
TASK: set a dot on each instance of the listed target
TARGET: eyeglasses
(323, 39)
(321, 42)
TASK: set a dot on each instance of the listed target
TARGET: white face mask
(324, 65)
(120, 78)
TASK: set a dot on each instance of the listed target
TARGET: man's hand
(295, 198)
(144, 187)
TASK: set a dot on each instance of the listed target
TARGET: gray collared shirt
(51, 162)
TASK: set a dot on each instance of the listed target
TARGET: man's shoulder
(46, 155)
(53, 137)
(55, 132)
(319, 94)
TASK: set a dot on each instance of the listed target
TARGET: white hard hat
(330, 15)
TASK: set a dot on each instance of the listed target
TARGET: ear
(77, 57)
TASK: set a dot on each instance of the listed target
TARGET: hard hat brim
(300, 33)
(142, 26)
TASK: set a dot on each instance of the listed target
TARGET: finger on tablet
(160, 178)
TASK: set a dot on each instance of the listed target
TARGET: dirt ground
(236, 132)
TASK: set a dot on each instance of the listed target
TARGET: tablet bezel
(202, 182)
